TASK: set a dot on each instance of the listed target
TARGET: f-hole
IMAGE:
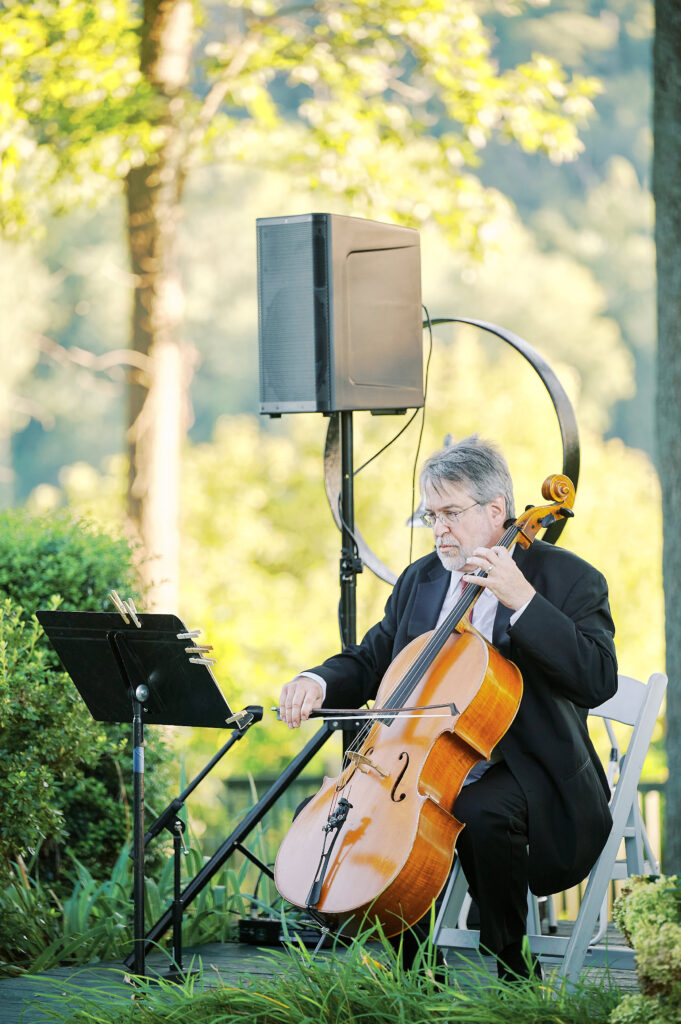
(393, 795)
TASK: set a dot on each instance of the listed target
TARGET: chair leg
(462, 921)
(533, 919)
(602, 922)
(551, 915)
(453, 900)
(651, 864)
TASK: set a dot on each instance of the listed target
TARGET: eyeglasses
(447, 518)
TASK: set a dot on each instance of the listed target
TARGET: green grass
(360, 986)
(94, 923)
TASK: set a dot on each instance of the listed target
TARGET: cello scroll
(558, 489)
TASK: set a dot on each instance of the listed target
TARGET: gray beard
(452, 562)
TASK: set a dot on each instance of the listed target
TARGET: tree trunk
(667, 193)
(158, 398)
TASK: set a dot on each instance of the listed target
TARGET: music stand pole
(170, 819)
(178, 908)
(138, 833)
(139, 692)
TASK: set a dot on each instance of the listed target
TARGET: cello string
(353, 747)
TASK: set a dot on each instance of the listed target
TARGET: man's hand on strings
(298, 698)
(504, 578)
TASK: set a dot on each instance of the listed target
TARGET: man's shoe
(513, 966)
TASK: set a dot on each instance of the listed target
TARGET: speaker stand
(350, 562)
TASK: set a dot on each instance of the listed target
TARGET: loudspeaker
(339, 315)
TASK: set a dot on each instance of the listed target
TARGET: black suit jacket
(563, 646)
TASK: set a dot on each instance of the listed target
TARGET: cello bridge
(364, 764)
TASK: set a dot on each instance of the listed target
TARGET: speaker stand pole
(350, 564)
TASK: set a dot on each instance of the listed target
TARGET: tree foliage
(73, 106)
(359, 84)
(596, 213)
(374, 84)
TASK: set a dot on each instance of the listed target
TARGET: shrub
(42, 556)
(66, 779)
(649, 914)
(45, 734)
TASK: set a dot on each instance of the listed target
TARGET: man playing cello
(537, 812)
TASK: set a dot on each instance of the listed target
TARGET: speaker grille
(292, 314)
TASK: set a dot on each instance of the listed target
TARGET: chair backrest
(636, 704)
(624, 708)
(626, 704)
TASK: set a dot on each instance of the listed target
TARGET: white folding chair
(640, 858)
(635, 704)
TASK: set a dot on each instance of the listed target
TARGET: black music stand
(145, 670)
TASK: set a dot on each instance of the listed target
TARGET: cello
(377, 841)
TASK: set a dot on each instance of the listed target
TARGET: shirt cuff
(317, 679)
(517, 613)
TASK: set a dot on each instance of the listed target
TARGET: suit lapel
(428, 602)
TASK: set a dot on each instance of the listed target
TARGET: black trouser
(493, 852)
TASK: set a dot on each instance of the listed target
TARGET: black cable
(347, 528)
(418, 446)
(391, 441)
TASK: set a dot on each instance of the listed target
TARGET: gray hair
(476, 463)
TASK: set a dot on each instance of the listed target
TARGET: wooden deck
(21, 998)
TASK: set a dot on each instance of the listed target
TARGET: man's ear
(497, 507)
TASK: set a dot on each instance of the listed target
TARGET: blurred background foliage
(563, 257)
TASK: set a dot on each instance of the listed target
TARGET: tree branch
(98, 364)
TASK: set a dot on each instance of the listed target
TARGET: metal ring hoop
(567, 423)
